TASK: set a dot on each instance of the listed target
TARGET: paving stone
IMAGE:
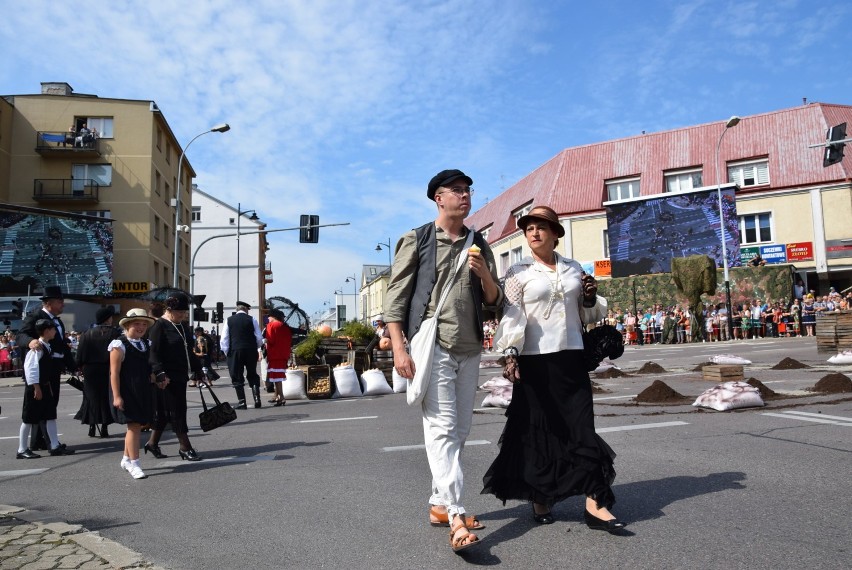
(63, 528)
(95, 565)
(43, 563)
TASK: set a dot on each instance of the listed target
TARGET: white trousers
(447, 415)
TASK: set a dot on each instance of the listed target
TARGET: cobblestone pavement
(30, 541)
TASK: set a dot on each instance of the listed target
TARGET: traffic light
(220, 311)
(17, 308)
(200, 315)
(834, 152)
(309, 232)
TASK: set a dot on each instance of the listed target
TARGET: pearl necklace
(556, 294)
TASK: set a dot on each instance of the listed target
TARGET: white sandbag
(294, 385)
(497, 381)
(400, 384)
(499, 396)
(844, 357)
(264, 370)
(374, 383)
(346, 383)
(605, 365)
(729, 396)
(728, 359)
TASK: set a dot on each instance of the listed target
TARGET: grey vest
(427, 248)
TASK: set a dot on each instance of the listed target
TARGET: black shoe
(92, 430)
(544, 518)
(104, 431)
(155, 451)
(241, 405)
(190, 455)
(255, 391)
(61, 450)
(612, 526)
(280, 403)
(27, 454)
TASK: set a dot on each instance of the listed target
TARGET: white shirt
(31, 372)
(543, 310)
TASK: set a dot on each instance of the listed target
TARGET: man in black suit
(241, 342)
(52, 305)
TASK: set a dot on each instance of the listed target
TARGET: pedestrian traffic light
(834, 152)
(220, 311)
(309, 230)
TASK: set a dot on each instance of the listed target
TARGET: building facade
(790, 207)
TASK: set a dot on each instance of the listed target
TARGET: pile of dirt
(660, 392)
(611, 373)
(651, 368)
(789, 364)
(835, 383)
(765, 392)
(701, 366)
(598, 389)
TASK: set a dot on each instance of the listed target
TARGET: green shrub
(307, 349)
(357, 331)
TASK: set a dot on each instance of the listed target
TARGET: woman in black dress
(93, 359)
(549, 449)
(173, 359)
(130, 385)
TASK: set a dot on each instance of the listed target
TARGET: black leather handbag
(599, 343)
(75, 382)
(217, 416)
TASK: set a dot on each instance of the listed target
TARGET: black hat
(177, 302)
(52, 292)
(44, 324)
(277, 314)
(443, 178)
(243, 304)
(103, 314)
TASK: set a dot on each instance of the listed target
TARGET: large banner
(73, 252)
(645, 234)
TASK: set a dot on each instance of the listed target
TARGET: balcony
(66, 190)
(59, 144)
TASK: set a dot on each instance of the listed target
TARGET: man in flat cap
(424, 266)
(61, 359)
(241, 342)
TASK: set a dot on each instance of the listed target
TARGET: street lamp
(253, 218)
(354, 280)
(382, 244)
(224, 127)
(732, 122)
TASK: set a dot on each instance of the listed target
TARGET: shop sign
(130, 287)
(774, 253)
(802, 251)
(747, 253)
(603, 268)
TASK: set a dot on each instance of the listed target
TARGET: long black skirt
(97, 404)
(549, 449)
(170, 404)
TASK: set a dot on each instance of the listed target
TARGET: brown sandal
(460, 537)
(440, 518)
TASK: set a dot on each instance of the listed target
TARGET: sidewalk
(29, 540)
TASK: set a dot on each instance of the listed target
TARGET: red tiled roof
(573, 181)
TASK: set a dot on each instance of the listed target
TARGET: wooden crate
(318, 382)
(834, 331)
(722, 372)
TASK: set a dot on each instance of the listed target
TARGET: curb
(67, 540)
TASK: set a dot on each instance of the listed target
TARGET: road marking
(640, 426)
(20, 472)
(16, 437)
(614, 397)
(232, 459)
(347, 400)
(789, 416)
(334, 420)
(422, 446)
(811, 414)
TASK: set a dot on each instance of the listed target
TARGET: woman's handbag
(422, 344)
(75, 382)
(217, 416)
(601, 342)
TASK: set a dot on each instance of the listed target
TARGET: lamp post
(224, 127)
(381, 245)
(732, 122)
(354, 280)
(253, 217)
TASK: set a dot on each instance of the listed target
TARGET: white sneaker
(136, 471)
(125, 463)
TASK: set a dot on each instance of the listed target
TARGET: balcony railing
(68, 189)
(57, 143)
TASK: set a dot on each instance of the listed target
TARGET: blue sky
(346, 109)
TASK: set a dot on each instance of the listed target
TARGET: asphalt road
(344, 483)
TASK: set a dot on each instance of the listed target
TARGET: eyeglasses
(460, 191)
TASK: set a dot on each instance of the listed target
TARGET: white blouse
(543, 312)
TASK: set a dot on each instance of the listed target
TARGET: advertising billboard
(646, 233)
(41, 248)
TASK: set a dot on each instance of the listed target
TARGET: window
(756, 228)
(167, 193)
(103, 125)
(516, 255)
(156, 227)
(156, 271)
(101, 174)
(683, 180)
(158, 183)
(751, 173)
(606, 243)
(196, 213)
(522, 211)
(168, 153)
(504, 263)
(485, 231)
(159, 138)
(622, 189)
(165, 235)
(166, 279)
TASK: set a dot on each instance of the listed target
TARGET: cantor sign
(130, 286)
